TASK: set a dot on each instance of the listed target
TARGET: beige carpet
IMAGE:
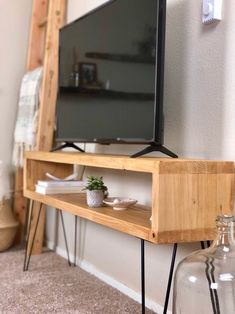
(51, 286)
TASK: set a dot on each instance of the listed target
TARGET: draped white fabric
(27, 116)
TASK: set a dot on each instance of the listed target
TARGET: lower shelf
(134, 221)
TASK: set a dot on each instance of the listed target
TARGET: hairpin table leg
(75, 240)
(29, 219)
(28, 254)
(65, 238)
(142, 277)
(170, 278)
(208, 243)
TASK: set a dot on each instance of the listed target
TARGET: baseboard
(90, 268)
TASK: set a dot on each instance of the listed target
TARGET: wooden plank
(55, 19)
(191, 166)
(141, 164)
(185, 236)
(155, 205)
(34, 59)
(37, 35)
(56, 16)
(36, 170)
(97, 160)
(190, 202)
(42, 50)
(135, 221)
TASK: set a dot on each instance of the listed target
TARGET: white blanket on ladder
(26, 122)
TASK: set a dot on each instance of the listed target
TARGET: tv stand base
(154, 148)
(67, 144)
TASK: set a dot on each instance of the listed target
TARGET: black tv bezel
(158, 128)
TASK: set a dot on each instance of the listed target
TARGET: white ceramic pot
(95, 198)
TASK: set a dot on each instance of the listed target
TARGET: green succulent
(95, 183)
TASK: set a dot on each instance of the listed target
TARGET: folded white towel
(27, 116)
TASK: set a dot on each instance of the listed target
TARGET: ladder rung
(43, 22)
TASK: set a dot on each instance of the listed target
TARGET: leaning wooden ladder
(47, 17)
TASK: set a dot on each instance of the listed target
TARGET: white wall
(199, 122)
(14, 28)
(199, 78)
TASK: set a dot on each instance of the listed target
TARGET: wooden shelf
(134, 221)
(121, 57)
(187, 195)
(104, 93)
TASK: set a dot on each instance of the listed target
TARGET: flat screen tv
(111, 72)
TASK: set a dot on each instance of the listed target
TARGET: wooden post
(37, 34)
(56, 14)
(35, 57)
(47, 18)
(55, 19)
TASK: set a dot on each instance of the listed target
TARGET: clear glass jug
(204, 282)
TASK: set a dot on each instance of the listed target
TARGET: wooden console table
(187, 195)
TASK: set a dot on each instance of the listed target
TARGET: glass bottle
(204, 282)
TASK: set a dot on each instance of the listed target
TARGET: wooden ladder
(47, 17)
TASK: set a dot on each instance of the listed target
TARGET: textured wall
(199, 122)
(14, 28)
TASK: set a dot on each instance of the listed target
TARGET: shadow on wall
(194, 81)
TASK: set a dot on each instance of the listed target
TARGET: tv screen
(111, 65)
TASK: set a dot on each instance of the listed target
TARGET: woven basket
(8, 225)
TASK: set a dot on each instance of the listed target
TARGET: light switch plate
(211, 11)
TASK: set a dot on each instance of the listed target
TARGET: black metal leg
(28, 227)
(170, 278)
(208, 243)
(202, 245)
(26, 223)
(142, 277)
(65, 239)
(75, 241)
(26, 264)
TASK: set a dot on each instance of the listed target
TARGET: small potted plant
(96, 191)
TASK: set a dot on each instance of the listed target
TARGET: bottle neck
(225, 236)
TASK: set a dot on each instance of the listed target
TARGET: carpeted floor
(51, 286)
